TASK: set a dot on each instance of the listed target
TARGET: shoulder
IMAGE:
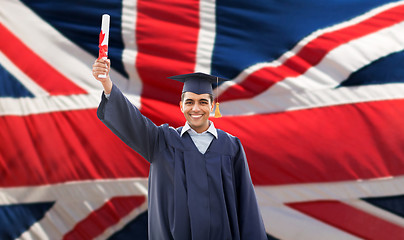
(226, 136)
(227, 139)
(171, 135)
(169, 131)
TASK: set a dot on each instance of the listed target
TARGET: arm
(250, 221)
(123, 118)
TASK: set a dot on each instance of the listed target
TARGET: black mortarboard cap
(198, 83)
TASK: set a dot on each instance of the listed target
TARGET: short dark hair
(210, 96)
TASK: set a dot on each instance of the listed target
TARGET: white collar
(211, 129)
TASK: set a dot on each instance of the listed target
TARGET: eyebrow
(202, 99)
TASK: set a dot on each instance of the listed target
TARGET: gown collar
(211, 129)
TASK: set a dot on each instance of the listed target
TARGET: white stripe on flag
(206, 36)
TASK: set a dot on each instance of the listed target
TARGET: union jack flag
(317, 99)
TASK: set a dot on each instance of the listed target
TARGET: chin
(194, 125)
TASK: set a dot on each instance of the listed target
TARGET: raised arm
(123, 118)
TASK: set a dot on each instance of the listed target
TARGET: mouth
(196, 116)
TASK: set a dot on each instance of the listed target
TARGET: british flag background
(316, 98)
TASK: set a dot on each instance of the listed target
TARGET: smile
(196, 116)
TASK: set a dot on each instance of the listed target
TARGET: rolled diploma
(103, 42)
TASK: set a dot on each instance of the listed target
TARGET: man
(199, 183)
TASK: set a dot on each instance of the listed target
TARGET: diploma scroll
(103, 41)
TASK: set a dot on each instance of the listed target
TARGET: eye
(204, 101)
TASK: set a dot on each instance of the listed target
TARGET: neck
(200, 129)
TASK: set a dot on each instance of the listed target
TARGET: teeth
(196, 116)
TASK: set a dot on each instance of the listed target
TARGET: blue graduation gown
(191, 195)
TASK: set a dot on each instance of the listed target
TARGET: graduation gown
(191, 195)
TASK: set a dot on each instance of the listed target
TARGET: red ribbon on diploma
(103, 49)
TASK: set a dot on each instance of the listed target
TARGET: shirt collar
(211, 129)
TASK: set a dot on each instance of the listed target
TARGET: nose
(196, 107)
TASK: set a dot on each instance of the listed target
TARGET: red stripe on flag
(106, 216)
(310, 55)
(336, 143)
(350, 219)
(162, 112)
(34, 66)
(63, 146)
(167, 43)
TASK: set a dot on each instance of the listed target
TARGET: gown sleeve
(126, 121)
(251, 225)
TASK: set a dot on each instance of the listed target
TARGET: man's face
(196, 109)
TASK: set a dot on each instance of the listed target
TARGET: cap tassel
(217, 111)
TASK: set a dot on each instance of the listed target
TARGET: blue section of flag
(136, 229)
(17, 218)
(385, 70)
(250, 32)
(393, 204)
(11, 87)
(80, 21)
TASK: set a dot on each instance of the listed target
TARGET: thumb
(108, 64)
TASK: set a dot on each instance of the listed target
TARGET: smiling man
(199, 183)
(196, 109)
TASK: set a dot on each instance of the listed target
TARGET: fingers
(108, 63)
(101, 67)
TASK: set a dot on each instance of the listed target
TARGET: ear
(212, 106)
(182, 110)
